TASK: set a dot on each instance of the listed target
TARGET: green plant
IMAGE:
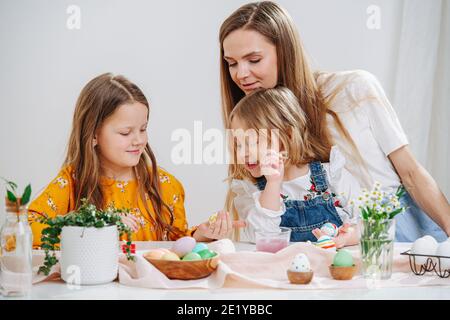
(87, 215)
(11, 194)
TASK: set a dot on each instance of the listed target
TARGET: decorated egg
(199, 247)
(206, 254)
(325, 242)
(191, 256)
(330, 229)
(443, 249)
(170, 256)
(424, 246)
(213, 218)
(343, 258)
(300, 263)
(155, 254)
(183, 246)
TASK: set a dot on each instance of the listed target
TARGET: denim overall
(303, 216)
(414, 223)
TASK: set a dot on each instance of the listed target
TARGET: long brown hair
(97, 101)
(294, 73)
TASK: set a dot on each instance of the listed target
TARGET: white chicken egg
(426, 246)
(300, 263)
(444, 250)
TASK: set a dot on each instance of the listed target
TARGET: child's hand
(219, 228)
(130, 220)
(347, 235)
(272, 166)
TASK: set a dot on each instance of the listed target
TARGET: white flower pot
(89, 255)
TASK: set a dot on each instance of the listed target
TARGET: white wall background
(170, 49)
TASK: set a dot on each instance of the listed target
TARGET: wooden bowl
(186, 270)
(343, 273)
(300, 277)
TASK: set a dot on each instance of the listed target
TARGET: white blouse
(371, 121)
(249, 208)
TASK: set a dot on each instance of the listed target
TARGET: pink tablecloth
(250, 269)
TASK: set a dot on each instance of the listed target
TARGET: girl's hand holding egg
(219, 226)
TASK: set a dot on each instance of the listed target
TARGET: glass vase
(16, 253)
(377, 248)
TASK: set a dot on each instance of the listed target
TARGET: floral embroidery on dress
(51, 204)
(121, 186)
(175, 198)
(163, 178)
(313, 193)
(62, 183)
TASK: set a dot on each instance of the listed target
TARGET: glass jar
(377, 248)
(16, 246)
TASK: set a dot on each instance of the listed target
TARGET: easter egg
(330, 229)
(206, 254)
(443, 249)
(325, 242)
(300, 263)
(343, 258)
(199, 247)
(183, 245)
(424, 246)
(213, 218)
(191, 256)
(170, 256)
(155, 254)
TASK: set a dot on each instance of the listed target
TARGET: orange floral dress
(58, 198)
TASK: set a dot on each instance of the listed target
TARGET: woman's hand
(219, 228)
(130, 220)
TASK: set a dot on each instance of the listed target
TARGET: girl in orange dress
(109, 162)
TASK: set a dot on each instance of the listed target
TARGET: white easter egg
(300, 263)
(430, 239)
(444, 250)
(423, 246)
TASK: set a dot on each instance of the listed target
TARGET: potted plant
(377, 230)
(89, 243)
(16, 241)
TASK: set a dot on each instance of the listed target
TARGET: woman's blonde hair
(294, 73)
(97, 101)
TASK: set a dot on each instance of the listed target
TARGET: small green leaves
(26, 195)
(11, 196)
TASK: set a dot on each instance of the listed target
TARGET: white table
(114, 290)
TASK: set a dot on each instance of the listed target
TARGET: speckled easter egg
(444, 250)
(170, 256)
(183, 246)
(199, 247)
(191, 256)
(206, 254)
(330, 229)
(300, 263)
(343, 258)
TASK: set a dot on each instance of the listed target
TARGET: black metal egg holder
(428, 266)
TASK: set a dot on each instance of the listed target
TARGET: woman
(260, 48)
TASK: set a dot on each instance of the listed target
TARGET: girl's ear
(94, 141)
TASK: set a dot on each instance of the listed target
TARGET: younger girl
(293, 191)
(109, 162)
